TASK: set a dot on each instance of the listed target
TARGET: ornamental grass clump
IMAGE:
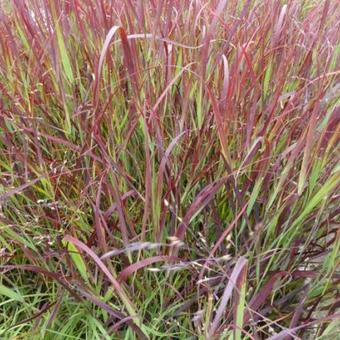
(169, 169)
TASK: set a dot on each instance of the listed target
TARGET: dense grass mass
(169, 169)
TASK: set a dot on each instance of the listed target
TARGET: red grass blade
(240, 264)
(126, 272)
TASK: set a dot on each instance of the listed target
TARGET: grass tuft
(169, 169)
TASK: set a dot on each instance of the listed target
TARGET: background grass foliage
(169, 169)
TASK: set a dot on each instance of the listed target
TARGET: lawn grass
(169, 169)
